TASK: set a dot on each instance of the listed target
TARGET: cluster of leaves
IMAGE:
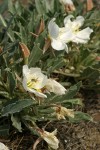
(28, 25)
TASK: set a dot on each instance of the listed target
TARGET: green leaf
(12, 82)
(39, 7)
(11, 7)
(91, 73)
(16, 123)
(3, 6)
(55, 64)
(4, 130)
(76, 101)
(16, 106)
(79, 116)
(72, 91)
(69, 94)
(35, 55)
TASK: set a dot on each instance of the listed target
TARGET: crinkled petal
(74, 25)
(53, 29)
(55, 87)
(51, 139)
(58, 45)
(82, 36)
(78, 22)
(67, 20)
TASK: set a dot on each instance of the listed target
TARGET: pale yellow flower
(50, 138)
(62, 112)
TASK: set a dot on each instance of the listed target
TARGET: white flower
(61, 112)
(34, 81)
(58, 36)
(55, 87)
(3, 147)
(74, 27)
(50, 138)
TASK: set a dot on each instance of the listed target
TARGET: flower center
(32, 82)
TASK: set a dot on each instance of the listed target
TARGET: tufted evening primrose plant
(34, 81)
(50, 138)
(78, 36)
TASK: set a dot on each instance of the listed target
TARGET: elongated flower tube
(62, 112)
(78, 36)
(34, 81)
(58, 36)
(50, 138)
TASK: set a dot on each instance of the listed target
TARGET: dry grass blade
(40, 27)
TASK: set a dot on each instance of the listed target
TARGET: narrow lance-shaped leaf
(16, 106)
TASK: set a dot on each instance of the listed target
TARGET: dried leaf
(69, 8)
(0, 50)
(46, 45)
(89, 5)
(40, 27)
(25, 50)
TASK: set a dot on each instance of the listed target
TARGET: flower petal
(82, 36)
(67, 20)
(55, 87)
(51, 139)
(58, 45)
(53, 29)
(74, 25)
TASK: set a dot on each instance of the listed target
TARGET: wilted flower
(74, 27)
(61, 112)
(58, 36)
(68, 4)
(3, 147)
(50, 138)
(34, 81)
(55, 87)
